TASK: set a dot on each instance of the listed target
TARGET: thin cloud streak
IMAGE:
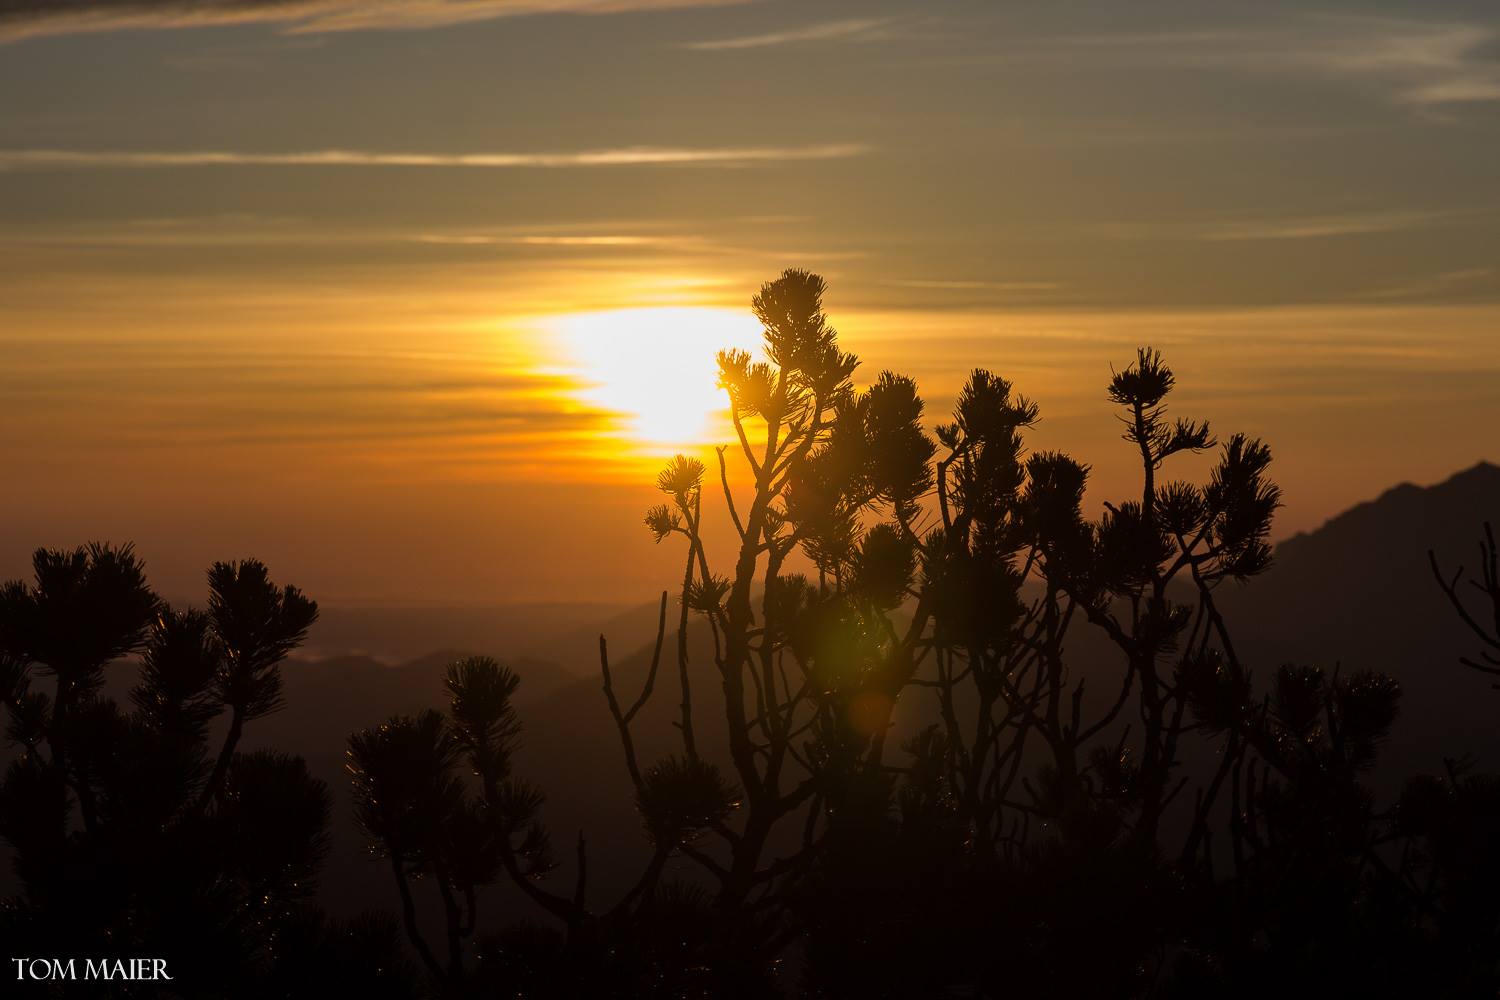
(1418, 63)
(851, 30)
(30, 18)
(439, 239)
(1321, 227)
(173, 237)
(1247, 228)
(978, 286)
(43, 159)
(1472, 281)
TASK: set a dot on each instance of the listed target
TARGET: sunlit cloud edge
(303, 16)
(729, 156)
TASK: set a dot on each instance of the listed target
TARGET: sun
(656, 369)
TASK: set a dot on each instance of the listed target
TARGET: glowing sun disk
(656, 368)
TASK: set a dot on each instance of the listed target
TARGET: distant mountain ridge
(1356, 593)
(1359, 593)
(1470, 492)
(401, 634)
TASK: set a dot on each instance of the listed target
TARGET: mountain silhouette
(564, 633)
(1355, 593)
(1358, 593)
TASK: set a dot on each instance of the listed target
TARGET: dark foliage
(142, 831)
(1170, 820)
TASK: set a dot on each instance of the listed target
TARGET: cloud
(29, 18)
(440, 239)
(851, 30)
(230, 232)
(979, 286)
(731, 156)
(1420, 63)
(1464, 283)
(1322, 226)
(1246, 227)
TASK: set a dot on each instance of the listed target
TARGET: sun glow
(656, 369)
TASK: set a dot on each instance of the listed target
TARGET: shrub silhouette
(953, 734)
(1151, 822)
(132, 836)
(1484, 622)
(1042, 833)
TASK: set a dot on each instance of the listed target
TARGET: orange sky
(412, 313)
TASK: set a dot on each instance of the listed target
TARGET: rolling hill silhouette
(565, 634)
(1356, 592)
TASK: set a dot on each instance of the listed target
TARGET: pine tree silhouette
(936, 730)
(131, 835)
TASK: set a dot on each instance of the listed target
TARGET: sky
(408, 298)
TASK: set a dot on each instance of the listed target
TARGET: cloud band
(28, 18)
(50, 159)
